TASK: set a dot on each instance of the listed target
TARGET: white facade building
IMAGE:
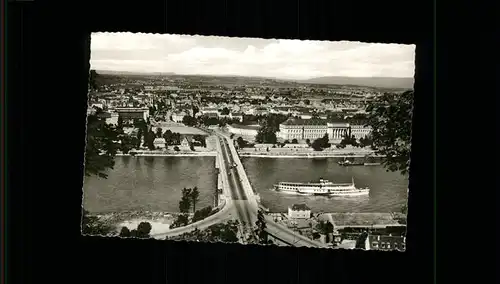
(113, 119)
(133, 112)
(360, 131)
(237, 116)
(159, 143)
(185, 145)
(299, 211)
(178, 116)
(302, 129)
(243, 130)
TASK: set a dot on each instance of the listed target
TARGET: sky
(274, 58)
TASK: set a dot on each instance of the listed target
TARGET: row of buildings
(293, 128)
(372, 242)
(112, 115)
(303, 129)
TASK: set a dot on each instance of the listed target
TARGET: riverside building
(302, 129)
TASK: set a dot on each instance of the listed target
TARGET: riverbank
(169, 154)
(303, 155)
(160, 221)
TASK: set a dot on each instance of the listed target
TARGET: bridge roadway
(249, 206)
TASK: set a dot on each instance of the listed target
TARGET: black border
(52, 54)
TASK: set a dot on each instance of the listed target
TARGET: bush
(125, 232)
(202, 213)
(143, 230)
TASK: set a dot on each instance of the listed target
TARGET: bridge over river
(240, 202)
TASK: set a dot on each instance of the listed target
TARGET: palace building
(302, 129)
(132, 112)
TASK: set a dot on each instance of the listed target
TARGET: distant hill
(377, 82)
(109, 72)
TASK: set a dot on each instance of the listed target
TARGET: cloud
(292, 59)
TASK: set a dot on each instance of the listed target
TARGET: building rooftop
(103, 115)
(314, 121)
(358, 122)
(298, 121)
(386, 238)
(250, 127)
(300, 207)
(337, 120)
(159, 140)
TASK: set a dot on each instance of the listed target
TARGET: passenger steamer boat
(323, 187)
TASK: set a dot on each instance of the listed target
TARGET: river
(388, 190)
(150, 184)
(155, 184)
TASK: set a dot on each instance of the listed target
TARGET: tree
(168, 136)
(201, 139)
(143, 230)
(194, 195)
(349, 140)
(324, 227)
(261, 226)
(320, 143)
(182, 220)
(225, 111)
(241, 143)
(308, 141)
(159, 133)
(93, 85)
(404, 209)
(102, 145)
(120, 121)
(139, 138)
(126, 143)
(286, 142)
(360, 241)
(265, 135)
(390, 117)
(150, 141)
(232, 136)
(185, 203)
(91, 225)
(294, 141)
(191, 147)
(176, 149)
(202, 213)
(124, 232)
(189, 120)
(365, 141)
(195, 110)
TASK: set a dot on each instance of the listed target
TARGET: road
(289, 236)
(245, 212)
(248, 208)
